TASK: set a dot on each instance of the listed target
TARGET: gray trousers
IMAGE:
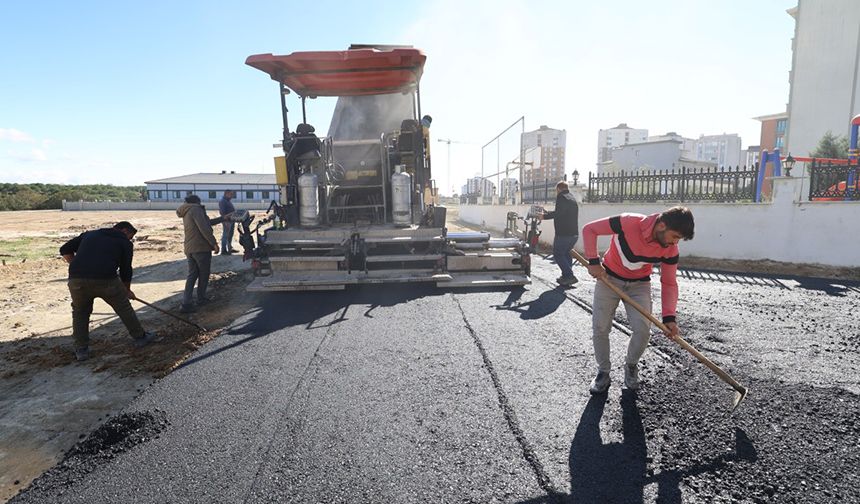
(84, 291)
(605, 303)
(199, 264)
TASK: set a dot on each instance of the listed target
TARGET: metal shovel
(740, 390)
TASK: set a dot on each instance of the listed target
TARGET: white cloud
(31, 156)
(14, 135)
(39, 174)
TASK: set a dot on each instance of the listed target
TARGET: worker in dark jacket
(565, 217)
(94, 258)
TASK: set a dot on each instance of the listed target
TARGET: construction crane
(449, 142)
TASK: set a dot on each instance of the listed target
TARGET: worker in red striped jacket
(638, 242)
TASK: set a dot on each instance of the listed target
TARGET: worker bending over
(94, 258)
(638, 242)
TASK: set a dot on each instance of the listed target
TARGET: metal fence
(687, 184)
(538, 191)
(834, 182)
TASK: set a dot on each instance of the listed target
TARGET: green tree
(831, 146)
(50, 196)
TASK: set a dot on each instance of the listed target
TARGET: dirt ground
(47, 399)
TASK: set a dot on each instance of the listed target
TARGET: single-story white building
(249, 187)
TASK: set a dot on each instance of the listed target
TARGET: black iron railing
(834, 182)
(535, 191)
(687, 184)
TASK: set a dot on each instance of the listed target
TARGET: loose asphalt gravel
(413, 394)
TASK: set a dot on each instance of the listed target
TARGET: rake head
(740, 395)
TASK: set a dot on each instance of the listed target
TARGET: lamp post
(575, 177)
(789, 164)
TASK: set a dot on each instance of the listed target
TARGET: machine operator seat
(306, 145)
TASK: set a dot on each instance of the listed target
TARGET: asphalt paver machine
(359, 205)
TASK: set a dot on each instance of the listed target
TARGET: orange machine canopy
(353, 72)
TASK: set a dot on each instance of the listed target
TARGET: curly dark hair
(679, 219)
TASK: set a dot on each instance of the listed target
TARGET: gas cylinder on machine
(401, 197)
(309, 213)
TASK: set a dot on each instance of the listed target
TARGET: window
(780, 125)
(249, 195)
(780, 142)
(188, 193)
(158, 195)
(212, 195)
(265, 195)
(177, 194)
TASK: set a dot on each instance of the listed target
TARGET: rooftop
(224, 177)
(770, 117)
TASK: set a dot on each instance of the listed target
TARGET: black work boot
(147, 338)
(82, 354)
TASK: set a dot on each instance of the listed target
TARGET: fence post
(623, 186)
(683, 188)
(588, 194)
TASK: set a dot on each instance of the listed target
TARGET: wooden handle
(177, 317)
(681, 341)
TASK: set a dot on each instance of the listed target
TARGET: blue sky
(117, 92)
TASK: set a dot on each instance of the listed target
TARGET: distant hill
(51, 196)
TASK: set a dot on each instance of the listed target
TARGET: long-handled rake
(177, 317)
(740, 390)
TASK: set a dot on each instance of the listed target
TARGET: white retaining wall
(785, 229)
(152, 205)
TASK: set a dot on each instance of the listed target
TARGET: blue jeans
(227, 235)
(561, 246)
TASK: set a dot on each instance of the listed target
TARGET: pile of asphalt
(117, 435)
(784, 443)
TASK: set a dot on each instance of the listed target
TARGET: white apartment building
(825, 79)
(608, 139)
(508, 188)
(660, 155)
(720, 150)
(688, 145)
(479, 186)
(750, 155)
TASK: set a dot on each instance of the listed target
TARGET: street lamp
(575, 177)
(789, 164)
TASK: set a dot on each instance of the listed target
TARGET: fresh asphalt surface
(409, 393)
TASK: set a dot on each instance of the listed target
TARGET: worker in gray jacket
(200, 243)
